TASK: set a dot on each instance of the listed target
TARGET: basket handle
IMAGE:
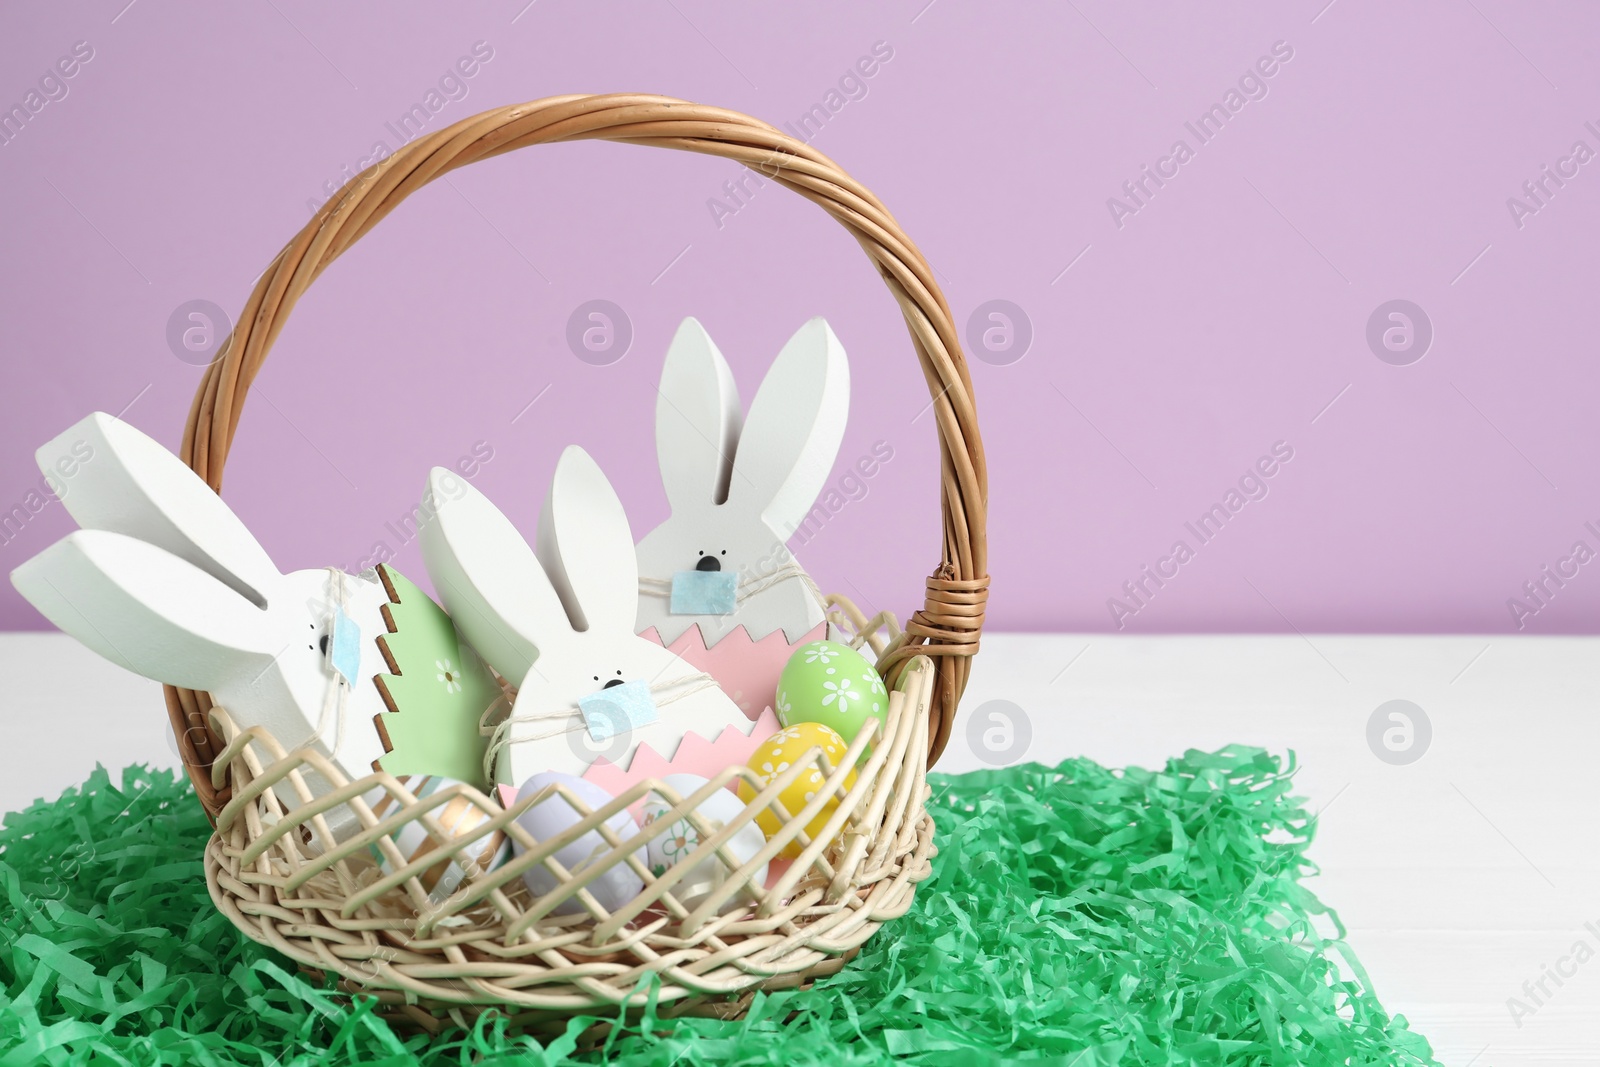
(948, 624)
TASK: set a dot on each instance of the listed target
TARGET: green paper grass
(1078, 916)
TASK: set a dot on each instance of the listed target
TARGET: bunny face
(581, 664)
(560, 621)
(729, 538)
(586, 665)
(305, 605)
(164, 579)
(740, 487)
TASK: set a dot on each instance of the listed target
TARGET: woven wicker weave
(492, 944)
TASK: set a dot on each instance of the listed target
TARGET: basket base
(412, 1018)
(446, 977)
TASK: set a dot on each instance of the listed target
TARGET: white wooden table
(1462, 875)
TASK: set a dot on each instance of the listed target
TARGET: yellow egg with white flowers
(782, 751)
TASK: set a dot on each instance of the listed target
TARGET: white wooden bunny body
(740, 488)
(559, 623)
(165, 580)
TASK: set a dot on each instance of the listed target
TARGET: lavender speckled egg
(554, 815)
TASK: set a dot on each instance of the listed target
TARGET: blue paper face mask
(617, 709)
(704, 592)
(344, 647)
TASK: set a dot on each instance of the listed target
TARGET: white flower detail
(787, 734)
(843, 693)
(821, 654)
(783, 703)
(448, 675)
(772, 772)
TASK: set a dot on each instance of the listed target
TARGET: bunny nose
(614, 681)
(708, 563)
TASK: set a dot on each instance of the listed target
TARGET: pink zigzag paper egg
(695, 755)
(746, 670)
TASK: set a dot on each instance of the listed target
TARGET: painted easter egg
(458, 817)
(676, 838)
(833, 684)
(776, 755)
(555, 815)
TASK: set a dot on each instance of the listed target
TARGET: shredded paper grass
(1077, 916)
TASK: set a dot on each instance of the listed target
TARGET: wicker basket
(492, 945)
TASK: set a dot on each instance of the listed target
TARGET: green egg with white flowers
(833, 684)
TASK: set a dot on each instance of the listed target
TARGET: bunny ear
(697, 420)
(587, 548)
(124, 482)
(491, 583)
(147, 610)
(796, 422)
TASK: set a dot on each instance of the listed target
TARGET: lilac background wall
(1228, 312)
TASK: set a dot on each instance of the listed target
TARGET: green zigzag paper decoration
(437, 690)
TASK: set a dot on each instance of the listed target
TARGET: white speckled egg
(676, 839)
(554, 815)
